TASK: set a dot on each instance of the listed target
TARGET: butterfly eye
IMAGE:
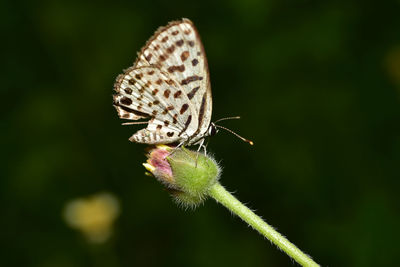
(213, 130)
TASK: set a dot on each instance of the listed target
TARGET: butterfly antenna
(135, 122)
(238, 136)
(228, 118)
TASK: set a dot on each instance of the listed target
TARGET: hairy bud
(188, 175)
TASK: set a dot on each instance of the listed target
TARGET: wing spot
(163, 57)
(156, 47)
(171, 49)
(137, 113)
(167, 109)
(148, 57)
(159, 127)
(179, 43)
(126, 101)
(175, 32)
(139, 76)
(150, 104)
(187, 32)
(189, 119)
(195, 62)
(154, 112)
(191, 43)
(164, 39)
(175, 121)
(150, 72)
(139, 107)
(184, 108)
(166, 93)
(156, 102)
(128, 90)
(184, 55)
(202, 110)
(132, 81)
(147, 84)
(191, 79)
(180, 68)
(159, 82)
(170, 82)
(154, 92)
(170, 134)
(166, 123)
(193, 92)
(178, 94)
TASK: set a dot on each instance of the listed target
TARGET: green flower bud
(188, 175)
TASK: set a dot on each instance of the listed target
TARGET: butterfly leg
(204, 146)
(201, 145)
(177, 147)
(198, 150)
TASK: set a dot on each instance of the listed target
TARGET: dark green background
(317, 84)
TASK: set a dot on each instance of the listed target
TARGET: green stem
(219, 193)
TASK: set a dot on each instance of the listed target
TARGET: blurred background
(317, 84)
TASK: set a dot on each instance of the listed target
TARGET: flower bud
(188, 175)
(158, 165)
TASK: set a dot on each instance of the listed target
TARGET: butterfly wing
(148, 92)
(178, 51)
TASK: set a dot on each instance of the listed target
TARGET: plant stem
(219, 193)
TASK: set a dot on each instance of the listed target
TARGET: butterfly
(169, 84)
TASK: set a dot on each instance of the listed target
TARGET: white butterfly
(170, 84)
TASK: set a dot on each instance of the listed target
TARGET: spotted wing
(177, 50)
(148, 92)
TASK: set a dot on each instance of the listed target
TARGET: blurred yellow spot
(93, 216)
